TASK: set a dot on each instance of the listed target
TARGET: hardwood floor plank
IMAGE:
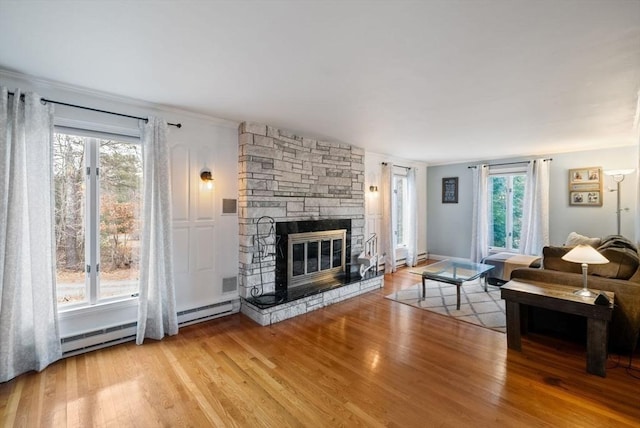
(367, 361)
(12, 393)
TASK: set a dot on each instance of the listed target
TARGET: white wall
(449, 225)
(206, 242)
(373, 202)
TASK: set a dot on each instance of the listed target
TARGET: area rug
(483, 308)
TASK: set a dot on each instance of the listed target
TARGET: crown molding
(87, 92)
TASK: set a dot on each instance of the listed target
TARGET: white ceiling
(438, 81)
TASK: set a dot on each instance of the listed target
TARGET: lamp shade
(619, 172)
(585, 254)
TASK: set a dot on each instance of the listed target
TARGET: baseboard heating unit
(101, 338)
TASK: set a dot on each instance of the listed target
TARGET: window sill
(112, 305)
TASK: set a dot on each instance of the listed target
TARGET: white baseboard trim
(403, 262)
(442, 257)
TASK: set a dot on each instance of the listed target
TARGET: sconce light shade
(207, 178)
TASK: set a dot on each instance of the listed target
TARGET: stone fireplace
(302, 184)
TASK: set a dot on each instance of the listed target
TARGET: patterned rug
(476, 306)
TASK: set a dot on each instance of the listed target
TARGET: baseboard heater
(401, 262)
(101, 338)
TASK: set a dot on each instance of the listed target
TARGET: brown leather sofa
(621, 276)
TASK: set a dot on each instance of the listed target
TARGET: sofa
(621, 276)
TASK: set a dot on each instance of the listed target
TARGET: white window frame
(94, 132)
(510, 173)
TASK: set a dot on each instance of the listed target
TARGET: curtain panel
(29, 333)
(412, 218)
(480, 219)
(636, 125)
(535, 212)
(157, 314)
(388, 241)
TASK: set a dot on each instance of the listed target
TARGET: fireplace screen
(315, 256)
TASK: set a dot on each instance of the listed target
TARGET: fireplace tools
(266, 242)
(368, 259)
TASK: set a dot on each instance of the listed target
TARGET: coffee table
(453, 272)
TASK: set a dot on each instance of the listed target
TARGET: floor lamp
(618, 177)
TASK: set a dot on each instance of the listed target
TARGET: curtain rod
(399, 166)
(45, 100)
(511, 163)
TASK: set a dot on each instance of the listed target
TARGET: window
(98, 198)
(506, 195)
(400, 213)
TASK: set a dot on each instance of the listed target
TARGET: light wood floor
(367, 361)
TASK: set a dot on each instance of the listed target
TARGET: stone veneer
(292, 178)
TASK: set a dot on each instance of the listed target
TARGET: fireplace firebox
(312, 253)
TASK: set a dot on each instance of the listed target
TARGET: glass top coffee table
(453, 272)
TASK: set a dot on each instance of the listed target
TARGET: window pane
(312, 257)
(337, 253)
(506, 204)
(69, 184)
(498, 211)
(298, 259)
(400, 191)
(518, 202)
(120, 206)
(325, 257)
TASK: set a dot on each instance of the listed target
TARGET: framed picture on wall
(450, 190)
(585, 186)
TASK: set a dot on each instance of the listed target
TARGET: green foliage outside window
(506, 206)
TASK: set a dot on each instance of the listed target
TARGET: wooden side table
(560, 298)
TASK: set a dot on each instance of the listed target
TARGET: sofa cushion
(552, 260)
(623, 263)
(574, 239)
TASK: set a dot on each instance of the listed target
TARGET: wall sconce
(618, 177)
(207, 178)
(373, 189)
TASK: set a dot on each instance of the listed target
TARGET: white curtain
(387, 238)
(535, 211)
(29, 335)
(636, 125)
(480, 219)
(157, 315)
(412, 218)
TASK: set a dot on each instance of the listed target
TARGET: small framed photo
(590, 198)
(585, 175)
(585, 186)
(450, 190)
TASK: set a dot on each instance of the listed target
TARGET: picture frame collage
(585, 186)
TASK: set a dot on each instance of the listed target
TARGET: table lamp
(586, 255)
